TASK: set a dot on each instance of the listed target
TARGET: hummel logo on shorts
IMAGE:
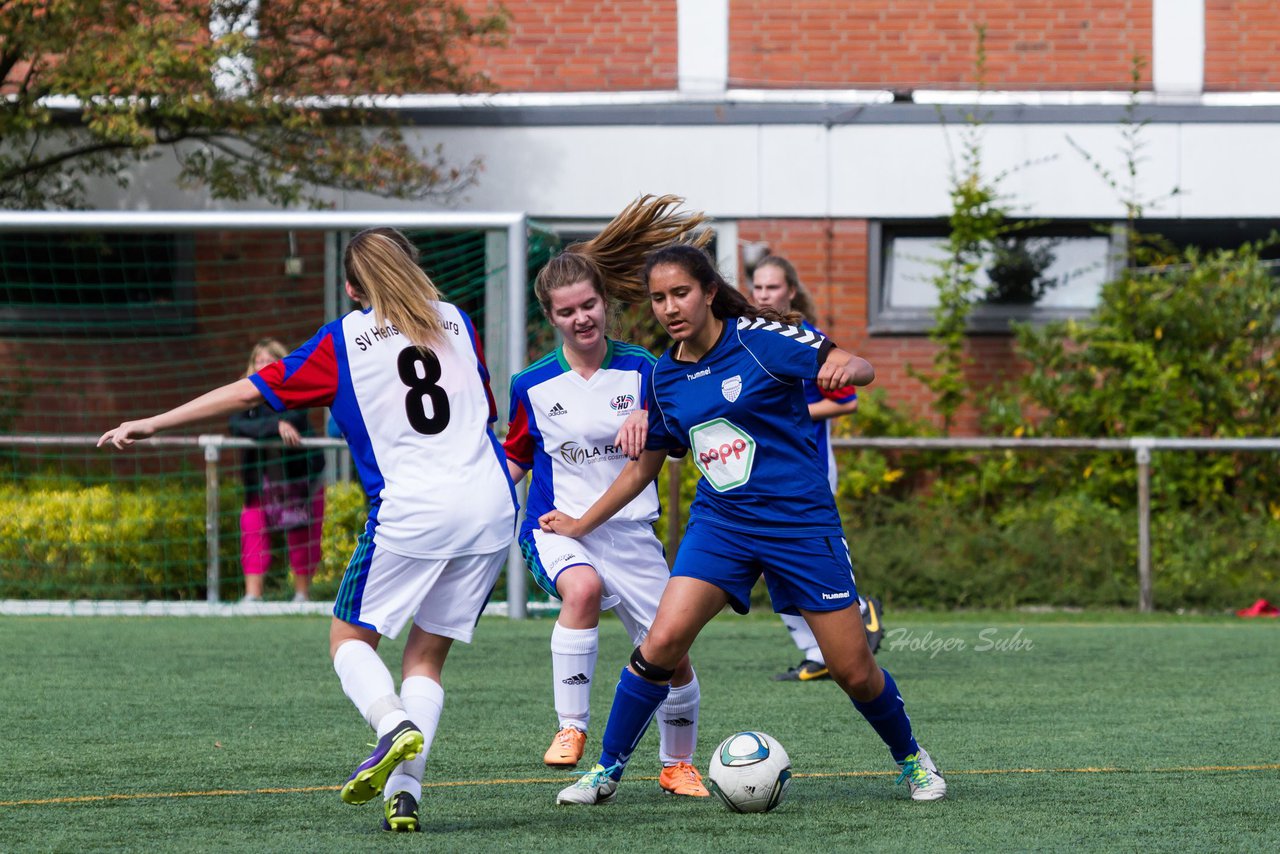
(558, 410)
(580, 679)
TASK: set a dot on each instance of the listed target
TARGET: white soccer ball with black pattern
(750, 772)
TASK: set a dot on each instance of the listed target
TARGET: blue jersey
(741, 410)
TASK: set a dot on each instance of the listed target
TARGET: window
(1049, 272)
(95, 283)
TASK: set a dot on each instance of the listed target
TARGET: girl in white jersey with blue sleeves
(730, 393)
(407, 384)
(577, 414)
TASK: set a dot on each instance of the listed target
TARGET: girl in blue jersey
(729, 392)
(577, 415)
(406, 381)
(775, 285)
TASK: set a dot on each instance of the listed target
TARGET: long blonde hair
(613, 260)
(270, 346)
(382, 264)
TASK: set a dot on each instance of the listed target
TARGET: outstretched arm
(219, 403)
(631, 481)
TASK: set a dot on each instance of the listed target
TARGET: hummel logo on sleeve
(796, 333)
(558, 410)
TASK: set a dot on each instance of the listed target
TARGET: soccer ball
(750, 772)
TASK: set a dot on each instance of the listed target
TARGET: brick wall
(584, 46)
(1240, 45)
(932, 43)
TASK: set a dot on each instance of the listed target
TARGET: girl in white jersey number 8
(577, 415)
(407, 385)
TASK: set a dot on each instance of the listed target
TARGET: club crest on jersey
(731, 387)
(623, 402)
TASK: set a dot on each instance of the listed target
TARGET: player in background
(775, 285)
(406, 381)
(729, 391)
(577, 415)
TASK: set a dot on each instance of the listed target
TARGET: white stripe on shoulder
(796, 333)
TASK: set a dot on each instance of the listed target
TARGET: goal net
(106, 317)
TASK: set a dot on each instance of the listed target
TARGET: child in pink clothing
(281, 487)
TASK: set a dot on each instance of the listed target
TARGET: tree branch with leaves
(252, 98)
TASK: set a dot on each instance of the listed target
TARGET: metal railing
(1141, 448)
(213, 446)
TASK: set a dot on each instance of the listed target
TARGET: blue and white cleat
(401, 744)
(593, 787)
(922, 776)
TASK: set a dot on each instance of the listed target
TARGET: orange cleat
(566, 748)
(682, 779)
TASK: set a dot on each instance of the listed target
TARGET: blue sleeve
(782, 350)
(665, 434)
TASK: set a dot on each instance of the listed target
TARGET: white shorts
(445, 596)
(626, 555)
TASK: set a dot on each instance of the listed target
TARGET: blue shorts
(802, 573)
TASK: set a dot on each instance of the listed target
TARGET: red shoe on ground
(1261, 608)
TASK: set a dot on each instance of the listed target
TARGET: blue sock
(634, 703)
(888, 717)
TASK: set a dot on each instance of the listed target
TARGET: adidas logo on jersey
(580, 679)
(557, 410)
(677, 722)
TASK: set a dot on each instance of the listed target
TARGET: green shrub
(62, 540)
(1067, 551)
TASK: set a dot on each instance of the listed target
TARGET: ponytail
(613, 259)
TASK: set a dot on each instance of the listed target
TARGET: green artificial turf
(1086, 731)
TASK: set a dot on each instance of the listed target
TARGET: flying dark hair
(728, 301)
(612, 259)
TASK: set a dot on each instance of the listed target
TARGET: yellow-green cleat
(400, 814)
(401, 744)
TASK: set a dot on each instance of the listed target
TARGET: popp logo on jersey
(723, 452)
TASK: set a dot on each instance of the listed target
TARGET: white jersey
(563, 428)
(419, 425)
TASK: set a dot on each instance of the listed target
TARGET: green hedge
(1065, 551)
(60, 540)
(63, 541)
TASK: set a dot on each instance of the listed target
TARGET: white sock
(803, 637)
(368, 683)
(678, 723)
(573, 667)
(423, 700)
